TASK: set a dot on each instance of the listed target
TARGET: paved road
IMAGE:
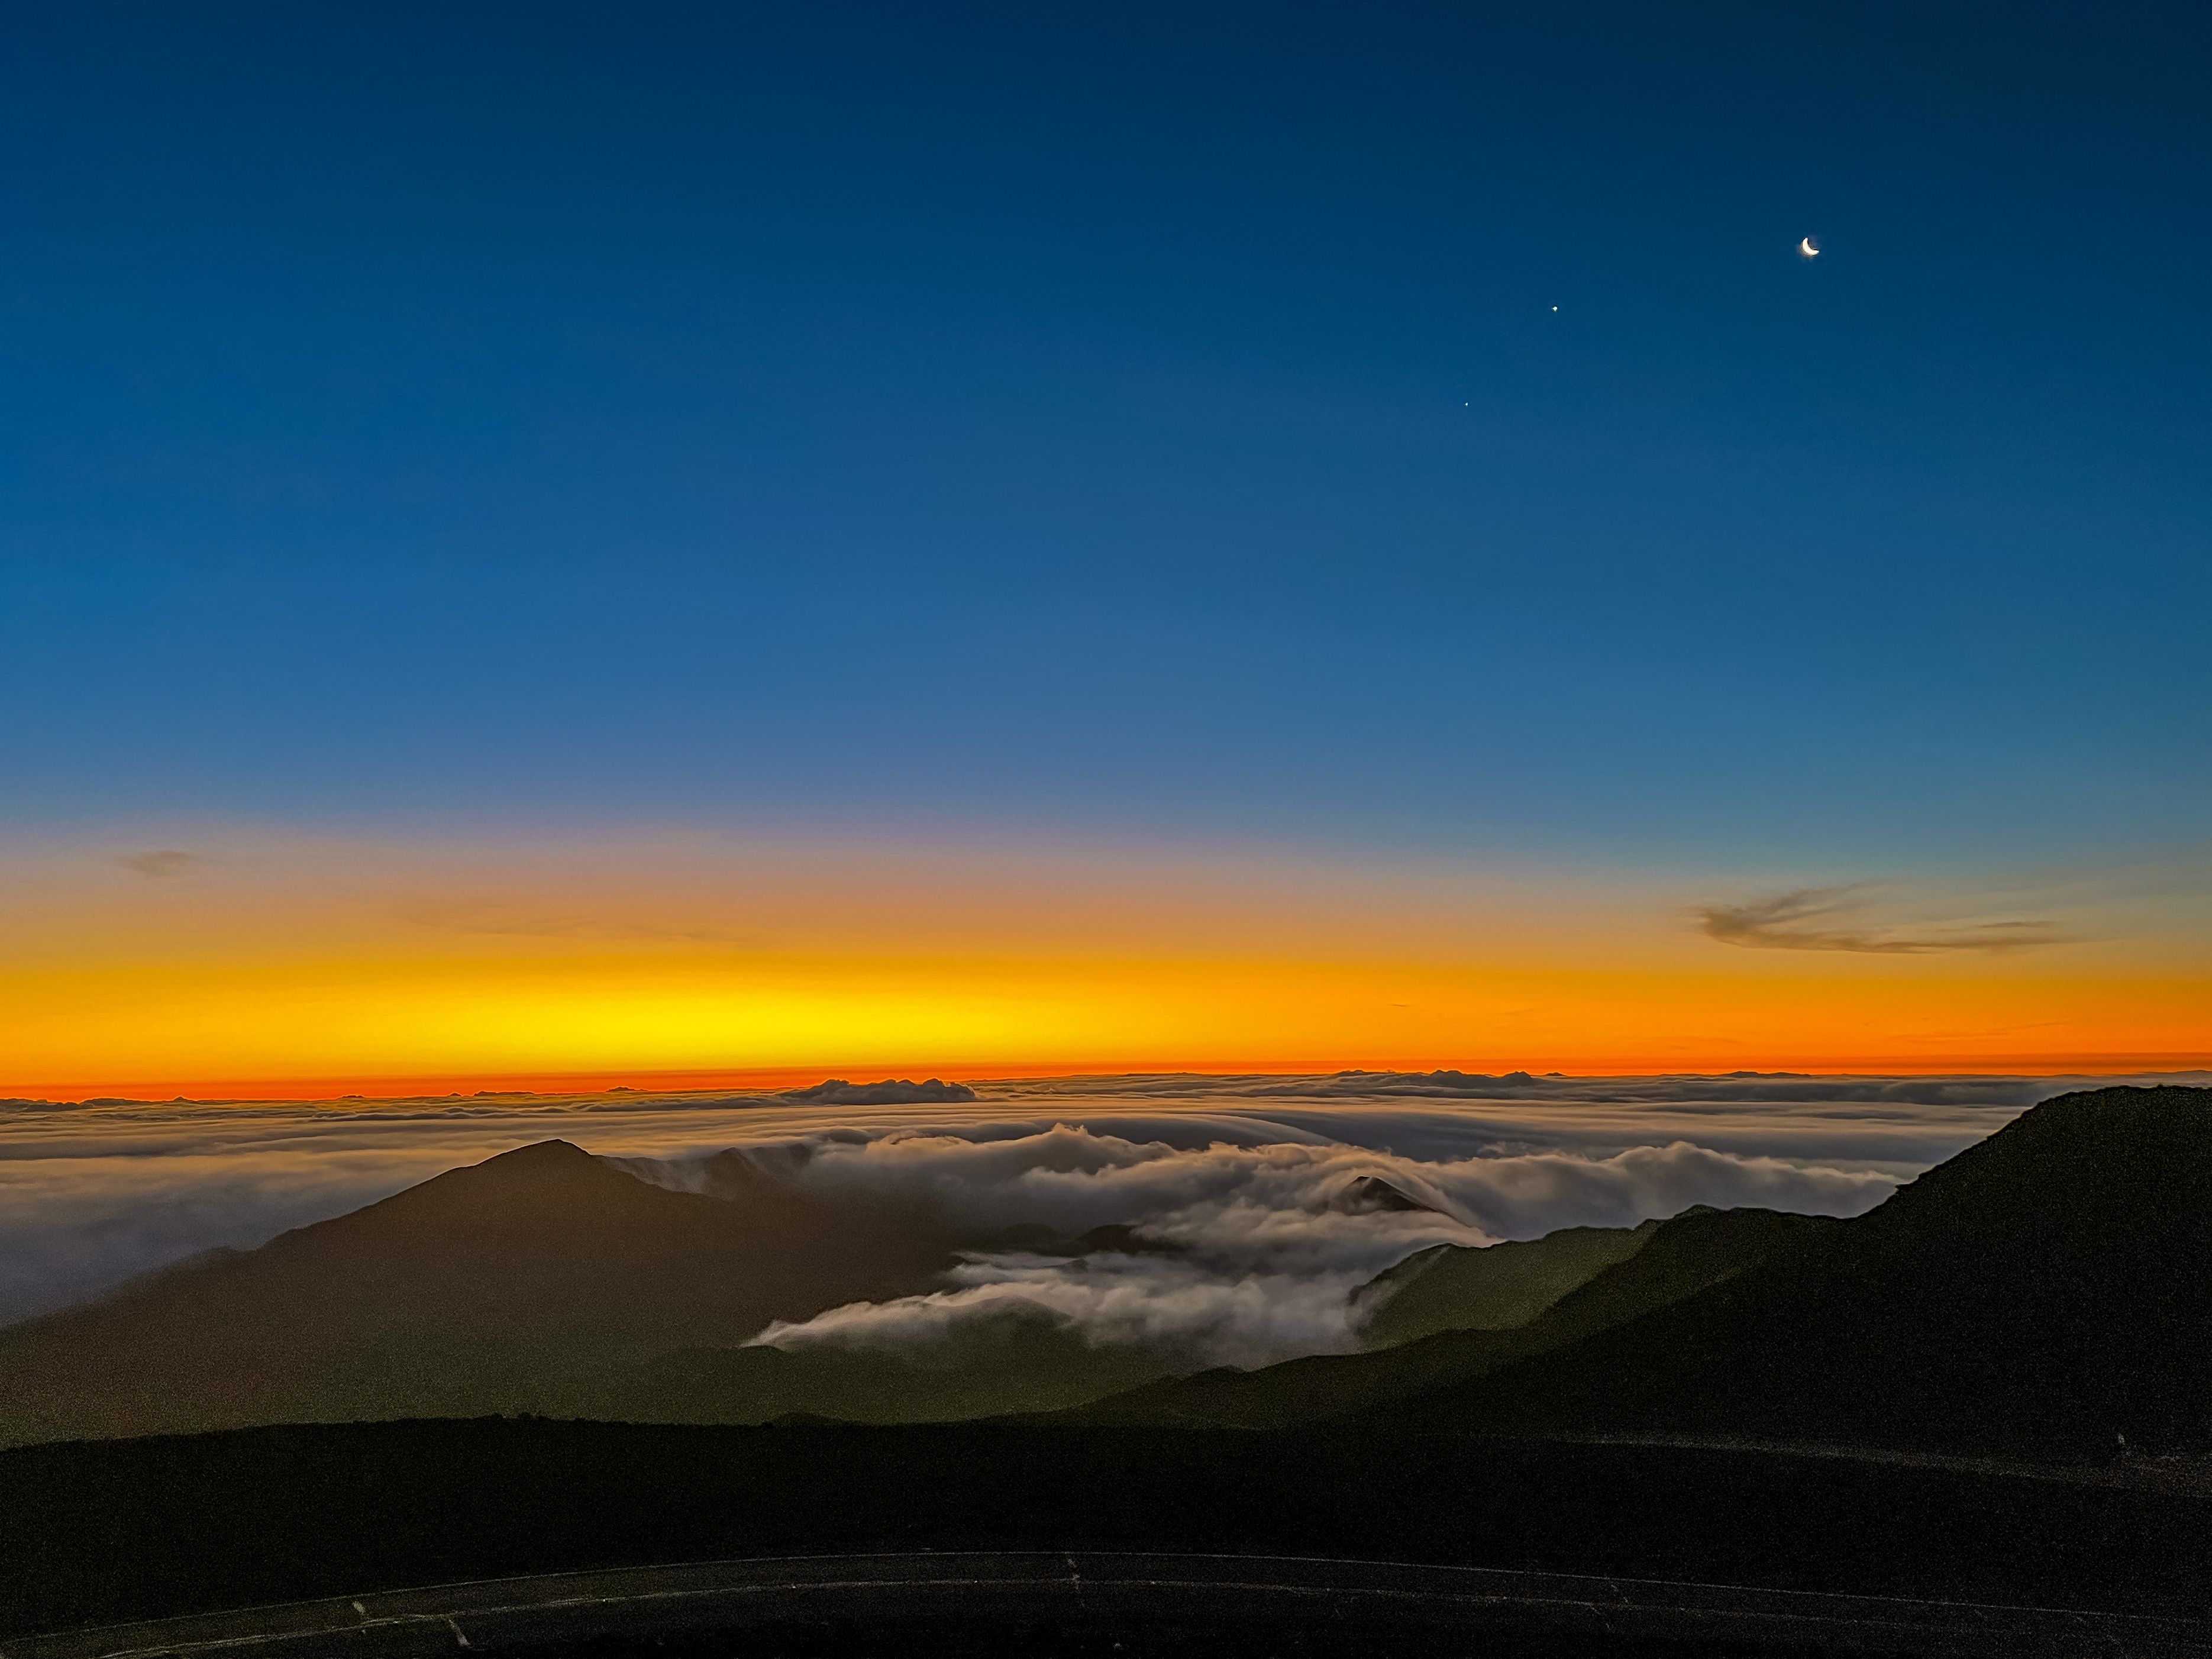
(1365, 1603)
(2154, 1474)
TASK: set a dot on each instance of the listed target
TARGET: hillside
(985, 1368)
(2048, 1291)
(2043, 1293)
(481, 1290)
(1461, 1287)
(1676, 1259)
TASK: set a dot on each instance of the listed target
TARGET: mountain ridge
(2045, 1292)
(1679, 1256)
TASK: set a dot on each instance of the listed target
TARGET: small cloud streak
(154, 866)
(1819, 919)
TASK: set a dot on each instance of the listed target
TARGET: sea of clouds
(1244, 1255)
(1246, 1236)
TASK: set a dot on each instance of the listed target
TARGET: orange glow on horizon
(272, 1031)
(315, 972)
(775, 1079)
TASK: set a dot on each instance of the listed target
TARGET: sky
(570, 542)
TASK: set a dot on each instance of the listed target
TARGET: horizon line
(774, 1079)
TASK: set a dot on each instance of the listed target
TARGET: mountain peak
(540, 1154)
(1372, 1194)
(891, 1091)
(515, 1184)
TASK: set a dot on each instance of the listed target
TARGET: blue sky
(1143, 421)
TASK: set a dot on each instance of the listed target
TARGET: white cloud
(1178, 1308)
(1250, 1256)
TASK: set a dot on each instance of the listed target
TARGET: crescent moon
(1809, 248)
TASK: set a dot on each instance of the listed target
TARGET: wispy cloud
(1836, 918)
(162, 861)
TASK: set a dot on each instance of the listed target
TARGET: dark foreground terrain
(2044, 1294)
(1984, 1408)
(97, 1533)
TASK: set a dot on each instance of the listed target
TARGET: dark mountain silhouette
(891, 1091)
(1019, 1364)
(2047, 1291)
(481, 1290)
(2044, 1293)
(1120, 1237)
(1116, 1237)
(1462, 1287)
(1700, 1248)
(1372, 1195)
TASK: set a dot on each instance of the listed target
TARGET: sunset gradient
(274, 967)
(577, 546)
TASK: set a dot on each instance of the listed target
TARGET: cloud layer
(1244, 1255)
(1234, 1173)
